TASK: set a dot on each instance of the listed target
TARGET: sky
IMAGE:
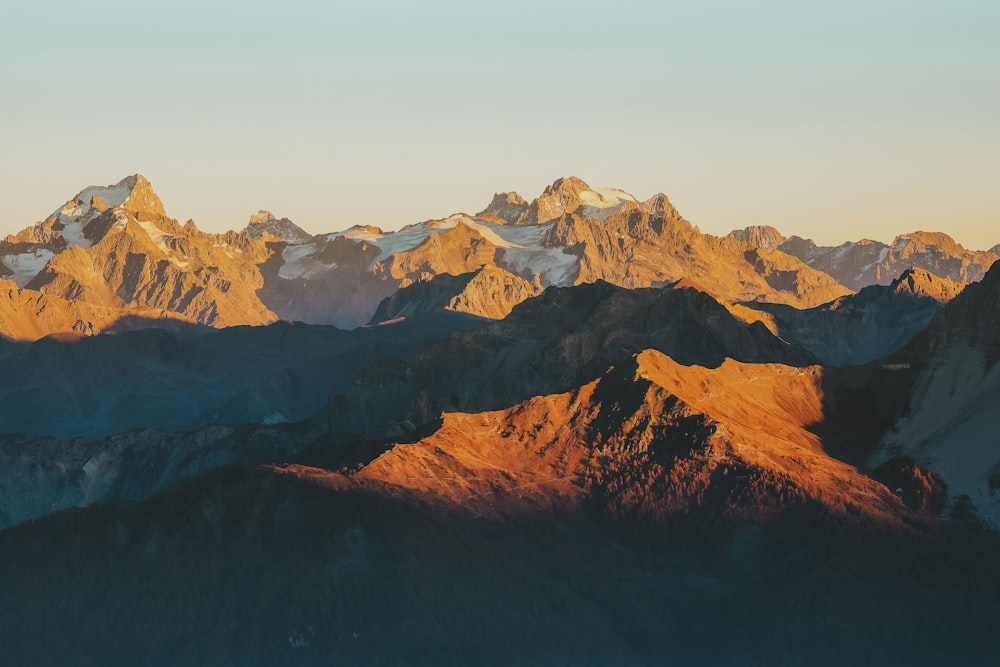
(831, 120)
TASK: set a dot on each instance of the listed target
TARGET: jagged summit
(569, 194)
(565, 195)
(133, 193)
(284, 229)
(506, 207)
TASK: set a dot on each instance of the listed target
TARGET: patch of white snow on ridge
(523, 252)
(79, 208)
(73, 234)
(155, 233)
(602, 203)
(883, 254)
(112, 196)
(299, 262)
(27, 265)
(486, 230)
(555, 266)
(605, 197)
(358, 234)
(158, 236)
(405, 239)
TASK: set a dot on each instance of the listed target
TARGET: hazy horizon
(834, 122)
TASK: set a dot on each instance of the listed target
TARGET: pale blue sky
(835, 120)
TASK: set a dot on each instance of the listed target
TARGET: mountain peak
(567, 184)
(759, 236)
(922, 283)
(920, 241)
(262, 216)
(284, 229)
(506, 208)
(141, 198)
(570, 194)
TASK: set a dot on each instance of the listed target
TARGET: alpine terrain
(574, 430)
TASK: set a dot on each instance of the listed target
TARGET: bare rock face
(492, 293)
(560, 198)
(29, 315)
(651, 244)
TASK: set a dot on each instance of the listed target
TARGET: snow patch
(605, 197)
(159, 237)
(602, 203)
(155, 233)
(486, 230)
(79, 210)
(26, 265)
(72, 233)
(358, 234)
(522, 245)
(555, 266)
(299, 262)
(882, 255)
(112, 196)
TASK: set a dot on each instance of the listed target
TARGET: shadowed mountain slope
(862, 327)
(549, 344)
(952, 426)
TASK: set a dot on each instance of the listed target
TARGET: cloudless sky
(833, 120)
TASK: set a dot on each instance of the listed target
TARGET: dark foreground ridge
(264, 567)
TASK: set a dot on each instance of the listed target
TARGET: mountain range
(574, 430)
(111, 252)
